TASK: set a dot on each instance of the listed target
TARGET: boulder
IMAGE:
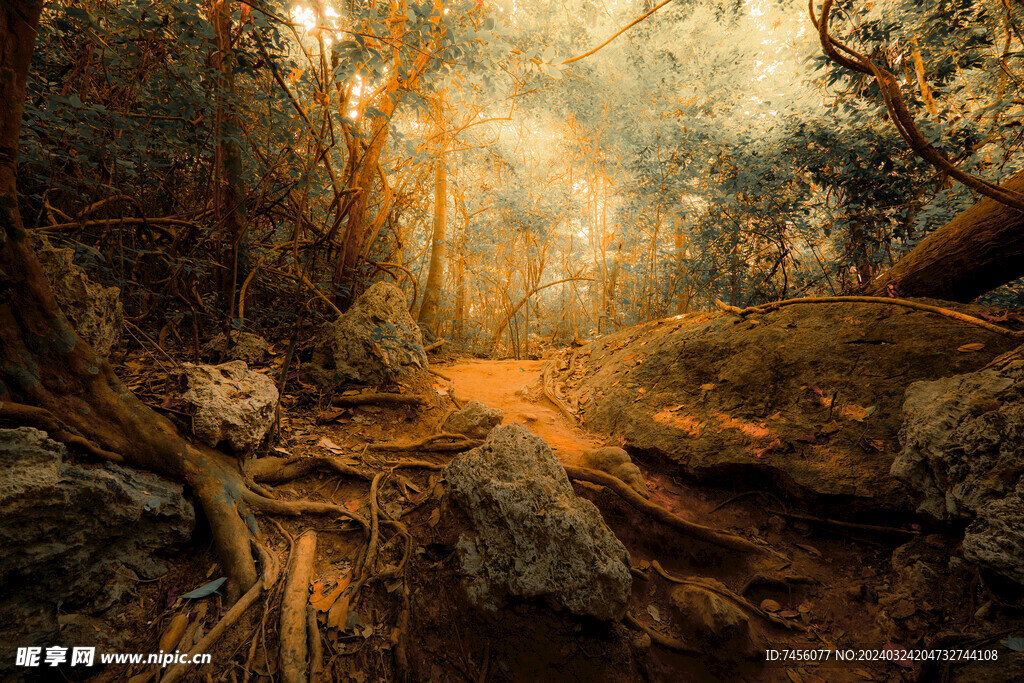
(375, 342)
(716, 624)
(232, 404)
(93, 310)
(474, 420)
(963, 453)
(529, 536)
(246, 346)
(75, 538)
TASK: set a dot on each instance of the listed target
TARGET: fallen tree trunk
(979, 250)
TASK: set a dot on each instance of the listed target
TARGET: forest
(507, 340)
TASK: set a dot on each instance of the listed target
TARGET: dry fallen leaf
(769, 605)
(338, 614)
(323, 598)
(330, 445)
(435, 517)
(968, 348)
(173, 633)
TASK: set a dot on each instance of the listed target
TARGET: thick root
(293, 632)
(722, 539)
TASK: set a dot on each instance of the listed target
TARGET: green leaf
(205, 589)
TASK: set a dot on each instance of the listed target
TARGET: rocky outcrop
(232, 404)
(75, 538)
(375, 342)
(528, 535)
(474, 420)
(93, 310)
(246, 346)
(963, 452)
(806, 400)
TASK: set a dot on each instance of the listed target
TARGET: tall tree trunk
(228, 193)
(355, 231)
(979, 250)
(51, 378)
(435, 274)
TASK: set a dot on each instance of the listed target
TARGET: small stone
(474, 420)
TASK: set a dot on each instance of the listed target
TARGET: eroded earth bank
(671, 502)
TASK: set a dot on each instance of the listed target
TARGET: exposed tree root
(721, 539)
(760, 579)
(728, 595)
(450, 443)
(906, 303)
(845, 525)
(316, 648)
(378, 397)
(660, 638)
(369, 559)
(293, 630)
(270, 573)
(549, 393)
(275, 470)
(420, 464)
(297, 508)
(45, 420)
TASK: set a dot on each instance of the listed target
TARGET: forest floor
(829, 586)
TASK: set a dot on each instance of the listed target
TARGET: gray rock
(996, 537)
(75, 536)
(530, 536)
(708, 619)
(474, 420)
(963, 452)
(93, 310)
(374, 342)
(246, 346)
(232, 403)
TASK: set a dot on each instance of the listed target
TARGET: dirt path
(503, 384)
